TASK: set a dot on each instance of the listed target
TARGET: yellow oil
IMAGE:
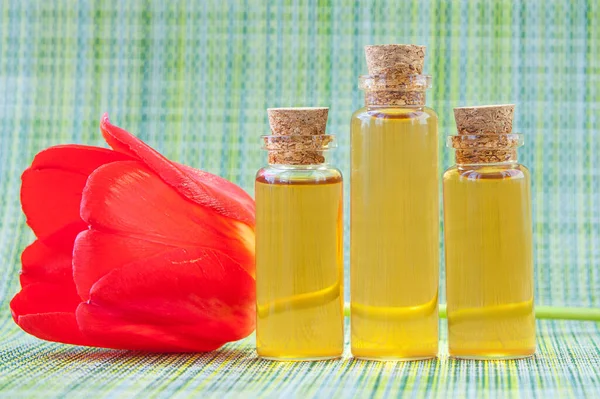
(394, 233)
(299, 265)
(489, 265)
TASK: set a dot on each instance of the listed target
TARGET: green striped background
(193, 79)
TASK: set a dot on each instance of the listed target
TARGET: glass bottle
(488, 239)
(299, 241)
(394, 210)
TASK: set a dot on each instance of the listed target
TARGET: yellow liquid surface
(299, 268)
(394, 234)
(489, 265)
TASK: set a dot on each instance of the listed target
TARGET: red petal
(44, 262)
(81, 159)
(203, 188)
(50, 200)
(191, 299)
(116, 331)
(128, 199)
(223, 187)
(97, 253)
(56, 327)
(51, 187)
(47, 311)
(44, 298)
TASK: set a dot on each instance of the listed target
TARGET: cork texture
(394, 97)
(298, 121)
(404, 58)
(395, 65)
(479, 156)
(496, 119)
(486, 141)
(298, 135)
(489, 128)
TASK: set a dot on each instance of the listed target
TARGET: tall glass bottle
(299, 241)
(394, 210)
(488, 237)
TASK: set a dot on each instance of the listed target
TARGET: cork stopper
(298, 121)
(298, 136)
(395, 75)
(485, 134)
(485, 119)
(400, 58)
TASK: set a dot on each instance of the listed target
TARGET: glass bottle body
(394, 233)
(489, 261)
(299, 263)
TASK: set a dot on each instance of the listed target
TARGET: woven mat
(567, 365)
(193, 79)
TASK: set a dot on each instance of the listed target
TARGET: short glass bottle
(394, 217)
(299, 251)
(488, 242)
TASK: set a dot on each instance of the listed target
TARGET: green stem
(565, 313)
(541, 312)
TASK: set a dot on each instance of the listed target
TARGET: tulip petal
(128, 200)
(44, 297)
(186, 299)
(45, 261)
(51, 187)
(77, 158)
(200, 187)
(61, 191)
(223, 187)
(47, 311)
(97, 253)
(56, 327)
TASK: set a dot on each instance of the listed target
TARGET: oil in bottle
(299, 241)
(488, 239)
(394, 210)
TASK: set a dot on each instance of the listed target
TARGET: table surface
(567, 364)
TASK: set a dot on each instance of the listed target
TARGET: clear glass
(489, 261)
(299, 263)
(394, 233)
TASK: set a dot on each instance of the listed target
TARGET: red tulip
(134, 251)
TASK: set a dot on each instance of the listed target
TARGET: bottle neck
(302, 158)
(283, 166)
(484, 166)
(394, 98)
(298, 150)
(485, 148)
(395, 89)
(486, 156)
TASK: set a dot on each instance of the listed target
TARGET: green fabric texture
(193, 79)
